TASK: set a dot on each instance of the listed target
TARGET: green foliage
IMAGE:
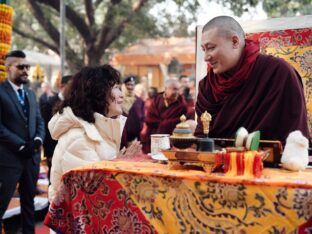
(274, 8)
(23, 19)
(240, 6)
(175, 20)
(279, 8)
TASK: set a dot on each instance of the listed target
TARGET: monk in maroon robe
(135, 120)
(244, 88)
(163, 114)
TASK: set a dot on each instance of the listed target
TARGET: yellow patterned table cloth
(187, 201)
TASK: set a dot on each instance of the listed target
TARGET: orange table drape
(180, 201)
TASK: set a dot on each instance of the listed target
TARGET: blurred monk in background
(164, 113)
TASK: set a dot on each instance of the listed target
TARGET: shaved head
(172, 88)
(226, 25)
(171, 82)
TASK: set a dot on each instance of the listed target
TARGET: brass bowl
(183, 142)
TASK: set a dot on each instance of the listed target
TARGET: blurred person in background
(128, 93)
(185, 91)
(47, 92)
(193, 88)
(151, 93)
(88, 124)
(184, 81)
(46, 109)
(135, 119)
(164, 113)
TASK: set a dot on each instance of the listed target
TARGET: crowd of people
(97, 115)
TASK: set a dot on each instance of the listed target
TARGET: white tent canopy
(49, 63)
(43, 59)
(275, 24)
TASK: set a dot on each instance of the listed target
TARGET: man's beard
(24, 81)
(20, 80)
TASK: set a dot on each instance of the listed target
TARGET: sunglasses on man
(22, 66)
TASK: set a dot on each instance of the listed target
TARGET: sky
(208, 10)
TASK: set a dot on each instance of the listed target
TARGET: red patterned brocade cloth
(148, 197)
(283, 38)
(94, 202)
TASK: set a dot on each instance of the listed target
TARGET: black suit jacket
(15, 127)
(47, 108)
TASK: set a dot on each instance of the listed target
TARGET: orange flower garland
(6, 13)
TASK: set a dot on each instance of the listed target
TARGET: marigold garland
(6, 13)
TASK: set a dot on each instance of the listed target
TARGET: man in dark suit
(21, 136)
(47, 112)
(47, 93)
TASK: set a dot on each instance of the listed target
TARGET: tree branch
(74, 61)
(97, 3)
(138, 5)
(89, 11)
(75, 19)
(107, 24)
(36, 39)
(114, 2)
(46, 24)
(108, 33)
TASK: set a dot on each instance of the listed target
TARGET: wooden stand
(180, 159)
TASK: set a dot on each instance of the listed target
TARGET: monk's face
(172, 91)
(222, 52)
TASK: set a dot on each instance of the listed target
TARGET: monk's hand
(133, 150)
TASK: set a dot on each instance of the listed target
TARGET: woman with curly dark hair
(88, 123)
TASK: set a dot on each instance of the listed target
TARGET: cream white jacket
(81, 142)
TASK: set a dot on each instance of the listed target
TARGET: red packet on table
(247, 163)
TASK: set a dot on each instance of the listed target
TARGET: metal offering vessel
(205, 144)
(182, 136)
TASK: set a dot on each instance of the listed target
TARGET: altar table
(147, 197)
